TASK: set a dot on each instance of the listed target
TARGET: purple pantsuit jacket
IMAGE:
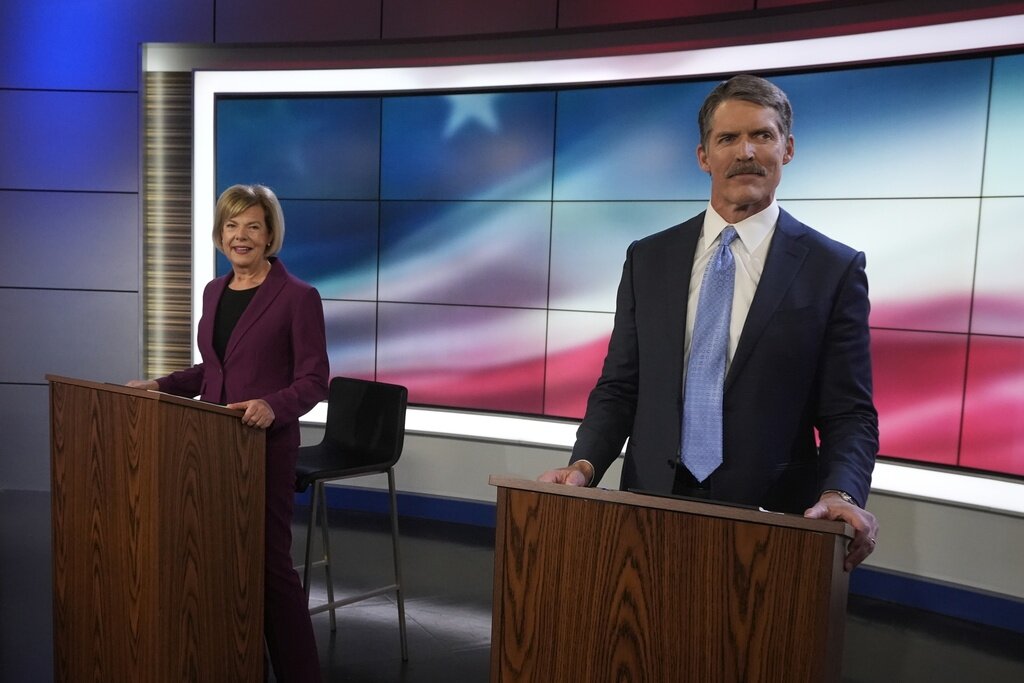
(277, 352)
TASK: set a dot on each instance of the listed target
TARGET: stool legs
(307, 563)
(325, 540)
(398, 564)
(318, 509)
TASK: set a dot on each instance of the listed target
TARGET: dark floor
(448, 574)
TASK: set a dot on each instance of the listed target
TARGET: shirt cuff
(590, 478)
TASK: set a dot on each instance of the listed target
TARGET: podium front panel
(596, 590)
(157, 521)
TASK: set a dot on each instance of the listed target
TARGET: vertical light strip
(167, 223)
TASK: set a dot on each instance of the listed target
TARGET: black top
(230, 308)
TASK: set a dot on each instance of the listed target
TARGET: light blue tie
(705, 374)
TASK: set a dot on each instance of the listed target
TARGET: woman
(264, 352)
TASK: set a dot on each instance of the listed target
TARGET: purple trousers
(287, 627)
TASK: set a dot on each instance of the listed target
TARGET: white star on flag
(467, 109)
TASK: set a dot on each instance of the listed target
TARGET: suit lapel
(785, 256)
(679, 256)
(268, 291)
(211, 299)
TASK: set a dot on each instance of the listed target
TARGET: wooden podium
(158, 509)
(592, 585)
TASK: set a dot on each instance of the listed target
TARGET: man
(794, 352)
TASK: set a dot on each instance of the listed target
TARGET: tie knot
(728, 235)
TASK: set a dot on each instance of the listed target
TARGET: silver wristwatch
(842, 494)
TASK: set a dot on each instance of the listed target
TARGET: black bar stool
(364, 434)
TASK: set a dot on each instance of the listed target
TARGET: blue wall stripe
(438, 508)
(1000, 611)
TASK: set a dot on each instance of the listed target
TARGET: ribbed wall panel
(167, 223)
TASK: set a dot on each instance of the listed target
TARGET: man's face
(745, 153)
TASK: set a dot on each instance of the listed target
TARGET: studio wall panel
(488, 357)
(919, 393)
(25, 448)
(352, 338)
(69, 141)
(630, 143)
(993, 431)
(333, 246)
(577, 344)
(76, 45)
(70, 240)
(589, 242)
(465, 253)
(418, 19)
(999, 278)
(304, 148)
(468, 146)
(845, 121)
(932, 290)
(94, 335)
(296, 21)
(1005, 146)
(572, 13)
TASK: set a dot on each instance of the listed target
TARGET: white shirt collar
(751, 231)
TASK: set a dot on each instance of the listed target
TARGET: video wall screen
(469, 245)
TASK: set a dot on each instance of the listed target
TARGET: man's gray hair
(751, 89)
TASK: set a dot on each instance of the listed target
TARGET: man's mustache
(746, 167)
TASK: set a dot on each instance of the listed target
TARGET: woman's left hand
(258, 412)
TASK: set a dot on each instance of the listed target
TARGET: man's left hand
(832, 506)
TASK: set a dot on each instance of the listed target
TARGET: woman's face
(244, 238)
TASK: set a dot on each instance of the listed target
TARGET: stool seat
(328, 461)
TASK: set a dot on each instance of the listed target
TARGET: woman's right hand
(143, 384)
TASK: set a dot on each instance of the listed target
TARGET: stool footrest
(352, 598)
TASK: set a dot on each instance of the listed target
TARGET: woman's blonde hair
(237, 199)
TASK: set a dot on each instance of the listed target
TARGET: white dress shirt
(749, 252)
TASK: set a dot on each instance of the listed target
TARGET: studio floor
(448, 572)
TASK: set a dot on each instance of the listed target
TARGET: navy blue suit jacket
(802, 363)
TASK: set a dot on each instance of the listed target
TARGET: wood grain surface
(157, 514)
(600, 590)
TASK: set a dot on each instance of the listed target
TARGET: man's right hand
(149, 384)
(579, 473)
